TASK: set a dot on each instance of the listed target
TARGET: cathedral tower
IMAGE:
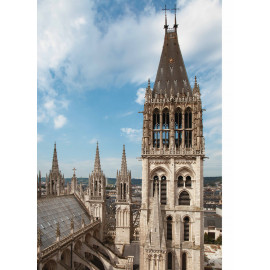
(123, 204)
(55, 183)
(97, 193)
(172, 166)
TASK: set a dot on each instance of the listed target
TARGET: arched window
(154, 184)
(163, 191)
(186, 229)
(188, 181)
(165, 127)
(184, 261)
(121, 191)
(124, 191)
(170, 261)
(184, 198)
(188, 127)
(178, 127)
(180, 182)
(156, 129)
(169, 228)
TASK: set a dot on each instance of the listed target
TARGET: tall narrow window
(124, 191)
(186, 229)
(178, 127)
(180, 181)
(156, 129)
(188, 127)
(121, 191)
(154, 184)
(188, 181)
(184, 198)
(163, 195)
(165, 127)
(184, 261)
(169, 228)
(170, 261)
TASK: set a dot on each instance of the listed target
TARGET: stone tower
(172, 166)
(123, 204)
(97, 193)
(55, 183)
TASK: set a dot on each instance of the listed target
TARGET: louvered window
(186, 229)
(188, 181)
(180, 182)
(170, 261)
(163, 195)
(184, 198)
(184, 261)
(169, 228)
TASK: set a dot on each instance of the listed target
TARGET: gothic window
(169, 228)
(95, 185)
(184, 261)
(170, 261)
(121, 191)
(188, 138)
(156, 129)
(188, 181)
(178, 127)
(165, 127)
(188, 118)
(163, 195)
(188, 127)
(180, 182)
(154, 184)
(124, 191)
(184, 198)
(186, 229)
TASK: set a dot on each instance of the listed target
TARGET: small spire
(195, 84)
(58, 234)
(97, 166)
(124, 162)
(55, 160)
(166, 25)
(82, 222)
(74, 174)
(148, 83)
(39, 241)
(175, 24)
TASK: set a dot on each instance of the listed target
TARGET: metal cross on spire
(175, 8)
(74, 170)
(166, 25)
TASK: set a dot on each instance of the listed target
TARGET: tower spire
(124, 162)
(55, 166)
(97, 166)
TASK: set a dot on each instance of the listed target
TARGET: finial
(74, 171)
(148, 83)
(39, 242)
(195, 84)
(72, 224)
(166, 25)
(58, 234)
(175, 24)
(82, 221)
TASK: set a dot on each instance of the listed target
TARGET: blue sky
(94, 59)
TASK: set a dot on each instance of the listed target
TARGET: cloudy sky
(94, 59)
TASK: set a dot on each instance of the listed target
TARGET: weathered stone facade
(172, 165)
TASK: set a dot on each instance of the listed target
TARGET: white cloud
(134, 135)
(93, 141)
(140, 96)
(39, 138)
(59, 121)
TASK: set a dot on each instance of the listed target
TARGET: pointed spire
(165, 25)
(124, 162)
(97, 166)
(175, 24)
(58, 234)
(149, 83)
(195, 84)
(55, 167)
(156, 231)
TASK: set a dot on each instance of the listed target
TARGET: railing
(173, 151)
(47, 251)
(164, 98)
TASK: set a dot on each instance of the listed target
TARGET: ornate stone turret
(74, 182)
(123, 205)
(95, 200)
(56, 183)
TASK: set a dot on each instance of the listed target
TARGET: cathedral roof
(171, 74)
(52, 210)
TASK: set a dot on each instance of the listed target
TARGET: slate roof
(171, 73)
(60, 209)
